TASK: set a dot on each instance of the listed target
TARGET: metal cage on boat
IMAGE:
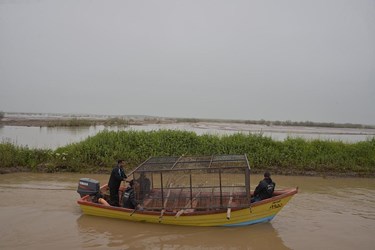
(201, 183)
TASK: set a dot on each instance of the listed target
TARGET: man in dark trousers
(117, 175)
(128, 200)
(265, 188)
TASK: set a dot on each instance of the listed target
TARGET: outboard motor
(87, 186)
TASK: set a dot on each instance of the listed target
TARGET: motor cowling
(87, 186)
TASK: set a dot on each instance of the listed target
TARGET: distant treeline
(281, 123)
(72, 122)
(291, 156)
(75, 122)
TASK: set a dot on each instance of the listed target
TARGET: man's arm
(120, 174)
(259, 188)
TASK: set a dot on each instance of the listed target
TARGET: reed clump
(291, 156)
(23, 158)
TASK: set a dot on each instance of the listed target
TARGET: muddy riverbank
(107, 170)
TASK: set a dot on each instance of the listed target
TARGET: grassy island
(97, 154)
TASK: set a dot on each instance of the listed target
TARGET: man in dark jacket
(265, 188)
(144, 185)
(128, 200)
(117, 175)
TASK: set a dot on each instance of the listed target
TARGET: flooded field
(39, 211)
(45, 137)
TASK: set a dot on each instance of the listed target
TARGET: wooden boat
(190, 191)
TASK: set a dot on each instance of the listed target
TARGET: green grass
(294, 155)
(14, 156)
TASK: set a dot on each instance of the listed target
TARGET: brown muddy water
(39, 211)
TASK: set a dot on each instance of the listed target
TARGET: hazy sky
(268, 59)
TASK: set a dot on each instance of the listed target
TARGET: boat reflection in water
(102, 233)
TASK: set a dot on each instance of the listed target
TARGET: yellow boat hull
(259, 212)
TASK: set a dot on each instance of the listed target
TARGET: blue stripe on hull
(250, 222)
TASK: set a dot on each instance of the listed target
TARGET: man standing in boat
(265, 188)
(117, 176)
(144, 186)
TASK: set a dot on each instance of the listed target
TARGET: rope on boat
(165, 202)
(229, 208)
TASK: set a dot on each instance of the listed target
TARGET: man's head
(121, 162)
(131, 183)
(267, 175)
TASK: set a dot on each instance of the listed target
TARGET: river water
(45, 137)
(39, 211)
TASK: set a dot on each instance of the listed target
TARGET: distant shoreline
(82, 120)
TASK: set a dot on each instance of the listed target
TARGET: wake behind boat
(189, 191)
